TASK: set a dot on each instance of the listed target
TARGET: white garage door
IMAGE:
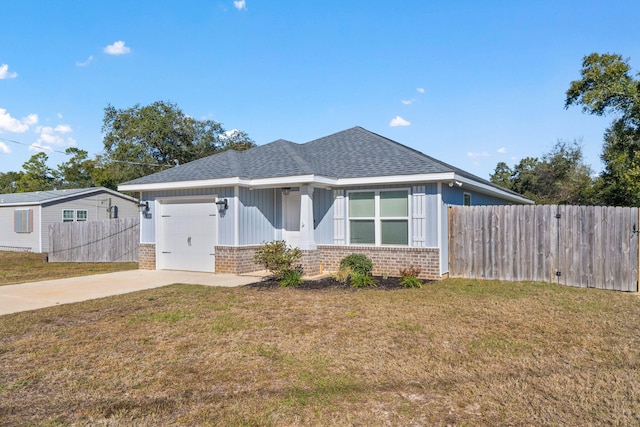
(187, 236)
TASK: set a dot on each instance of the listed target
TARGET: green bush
(358, 263)
(410, 277)
(291, 278)
(277, 257)
(359, 280)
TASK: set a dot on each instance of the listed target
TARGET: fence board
(588, 246)
(113, 240)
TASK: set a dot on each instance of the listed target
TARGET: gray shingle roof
(40, 197)
(351, 153)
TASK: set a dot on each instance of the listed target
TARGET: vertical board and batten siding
(323, 216)
(257, 216)
(111, 240)
(582, 246)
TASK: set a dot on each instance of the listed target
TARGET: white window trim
(377, 220)
(74, 218)
(464, 196)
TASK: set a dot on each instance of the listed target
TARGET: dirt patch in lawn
(23, 267)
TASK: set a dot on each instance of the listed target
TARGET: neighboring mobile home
(350, 192)
(25, 217)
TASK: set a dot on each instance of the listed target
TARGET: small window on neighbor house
(81, 215)
(466, 199)
(68, 215)
(23, 220)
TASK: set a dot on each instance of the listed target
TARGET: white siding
(9, 238)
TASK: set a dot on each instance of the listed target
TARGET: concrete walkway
(31, 296)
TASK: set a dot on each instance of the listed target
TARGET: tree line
(606, 87)
(138, 141)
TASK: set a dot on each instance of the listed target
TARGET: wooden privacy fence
(583, 246)
(111, 240)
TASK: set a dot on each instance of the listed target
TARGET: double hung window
(379, 217)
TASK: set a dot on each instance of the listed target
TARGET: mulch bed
(388, 283)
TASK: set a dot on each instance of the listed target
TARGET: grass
(458, 352)
(20, 267)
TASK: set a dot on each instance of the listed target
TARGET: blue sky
(470, 83)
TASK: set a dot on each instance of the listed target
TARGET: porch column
(307, 236)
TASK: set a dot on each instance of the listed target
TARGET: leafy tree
(77, 171)
(606, 87)
(9, 181)
(144, 139)
(37, 175)
(560, 176)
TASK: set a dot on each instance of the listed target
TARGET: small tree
(277, 257)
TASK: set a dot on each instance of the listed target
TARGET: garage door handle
(164, 252)
(189, 241)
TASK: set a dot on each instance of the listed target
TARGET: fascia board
(487, 189)
(395, 179)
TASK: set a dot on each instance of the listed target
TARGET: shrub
(358, 263)
(410, 277)
(277, 257)
(291, 278)
(343, 274)
(359, 280)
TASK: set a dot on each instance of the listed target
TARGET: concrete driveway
(31, 296)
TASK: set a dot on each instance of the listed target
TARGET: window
(379, 217)
(23, 220)
(68, 215)
(81, 215)
(466, 199)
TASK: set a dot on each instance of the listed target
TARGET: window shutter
(23, 220)
(338, 217)
(419, 216)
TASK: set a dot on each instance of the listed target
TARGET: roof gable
(50, 196)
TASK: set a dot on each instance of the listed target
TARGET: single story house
(25, 217)
(350, 192)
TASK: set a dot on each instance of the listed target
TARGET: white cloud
(50, 136)
(399, 121)
(5, 74)
(420, 89)
(4, 149)
(502, 150)
(10, 124)
(88, 61)
(117, 48)
(476, 155)
(407, 101)
(59, 115)
(240, 4)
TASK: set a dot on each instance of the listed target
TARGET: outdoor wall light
(222, 205)
(286, 191)
(145, 206)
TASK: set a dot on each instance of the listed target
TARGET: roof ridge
(293, 150)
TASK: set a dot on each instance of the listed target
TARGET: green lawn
(457, 352)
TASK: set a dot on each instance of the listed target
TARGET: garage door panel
(188, 236)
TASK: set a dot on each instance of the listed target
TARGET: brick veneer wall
(385, 260)
(236, 259)
(147, 256)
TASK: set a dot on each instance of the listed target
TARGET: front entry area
(291, 218)
(187, 231)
